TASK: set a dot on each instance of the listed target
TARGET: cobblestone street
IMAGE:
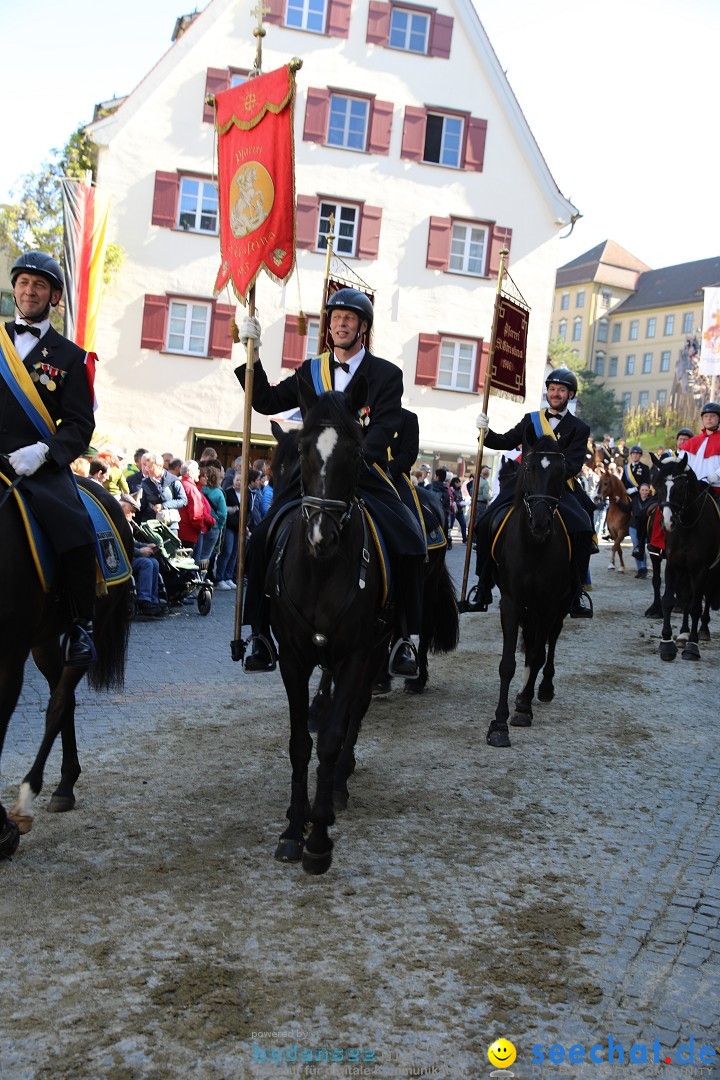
(561, 893)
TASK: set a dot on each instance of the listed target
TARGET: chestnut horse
(617, 523)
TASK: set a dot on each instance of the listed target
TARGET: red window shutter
(293, 352)
(276, 14)
(378, 27)
(499, 238)
(216, 80)
(482, 355)
(369, 238)
(317, 114)
(439, 237)
(380, 127)
(475, 134)
(428, 359)
(154, 323)
(338, 18)
(441, 29)
(165, 199)
(221, 342)
(413, 139)
(306, 222)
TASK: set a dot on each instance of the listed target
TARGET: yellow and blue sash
(321, 373)
(23, 389)
(630, 476)
(543, 427)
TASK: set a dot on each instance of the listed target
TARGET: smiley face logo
(501, 1054)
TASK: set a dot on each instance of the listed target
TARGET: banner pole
(237, 645)
(322, 332)
(462, 603)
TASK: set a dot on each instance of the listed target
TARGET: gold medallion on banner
(252, 194)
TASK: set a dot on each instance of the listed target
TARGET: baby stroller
(180, 576)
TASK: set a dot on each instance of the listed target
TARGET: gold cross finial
(259, 11)
(259, 33)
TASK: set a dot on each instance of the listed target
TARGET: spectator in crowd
(640, 503)
(145, 568)
(441, 490)
(175, 467)
(266, 492)
(114, 482)
(484, 493)
(215, 496)
(162, 494)
(235, 467)
(133, 467)
(226, 562)
(80, 466)
(167, 458)
(458, 506)
(194, 517)
(134, 481)
(209, 454)
(97, 471)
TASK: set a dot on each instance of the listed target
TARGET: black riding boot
(408, 591)
(78, 573)
(581, 606)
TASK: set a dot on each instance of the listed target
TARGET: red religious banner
(256, 179)
(507, 374)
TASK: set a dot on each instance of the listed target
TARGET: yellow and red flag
(85, 240)
(256, 180)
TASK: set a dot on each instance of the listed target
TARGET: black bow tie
(345, 367)
(21, 328)
(554, 415)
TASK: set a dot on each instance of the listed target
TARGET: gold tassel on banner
(302, 324)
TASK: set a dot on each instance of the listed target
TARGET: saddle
(433, 519)
(500, 519)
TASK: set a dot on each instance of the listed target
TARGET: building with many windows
(427, 175)
(638, 329)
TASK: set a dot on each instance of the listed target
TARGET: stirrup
(399, 644)
(270, 652)
(477, 598)
(578, 610)
(84, 641)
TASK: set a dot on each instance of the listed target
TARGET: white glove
(631, 491)
(482, 421)
(250, 328)
(713, 478)
(28, 459)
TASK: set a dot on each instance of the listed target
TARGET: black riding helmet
(565, 377)
(37, 262)
(684, 431)
(351, 300)
(712, 406)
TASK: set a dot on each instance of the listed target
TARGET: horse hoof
(498, 738)
(668, 650)
(546, 693)
(654, 612)
(682, 637)
(691, 651)
(340, 799)
(9, 839)
(414, 686)
(289, 850)
(316, 863)
(704, 635)
(23, 821)
(521, 719)
(60, 804)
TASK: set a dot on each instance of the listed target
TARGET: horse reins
(681, 509)
(551, 501)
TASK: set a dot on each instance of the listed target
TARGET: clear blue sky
(621, 97)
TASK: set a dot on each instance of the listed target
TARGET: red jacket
(192, 516)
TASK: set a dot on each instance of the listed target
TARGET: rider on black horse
(574, 507)
(351, 316)
(46, 421)
(703, 450)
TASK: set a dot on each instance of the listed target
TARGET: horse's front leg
(704, 634)
(59, 717)
(320, 704)
(546, 690)
(296, 677)
(345, 766)
(534, 643)
(655, 609)
(692, 650)
(668, 648)
(49, 661)
(497, 734)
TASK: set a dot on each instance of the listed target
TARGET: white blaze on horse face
(667, 512)
(327, 441)
(316, 535)
(545, 462)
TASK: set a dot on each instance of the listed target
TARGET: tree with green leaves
(596, 405)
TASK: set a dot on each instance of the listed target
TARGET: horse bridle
(312, 505)
(678, 510)
(551, 501)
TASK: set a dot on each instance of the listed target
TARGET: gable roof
(607, 264)
(672, 285)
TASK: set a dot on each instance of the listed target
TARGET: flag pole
(330, 236)
(237, 645)
(462, 603)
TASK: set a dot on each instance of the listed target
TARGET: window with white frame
(467, 248)
(443, 140)
(306, 15)
(647, 363)
(613, 367)
(688, 322)
(599, 363)
(577, 328)
(348, 122)
(565, 301)
(312, 346)
(634, 324)
(603, 330)
(188, 327)
(630, 365)
(198, 205)
(346, 227)
(562, 329)
(409, 30)
(580, 298)
(606, 297)
(643, 399)
(626, 401)
(457, 365)
(662, 397)
(651, 323)
(665, 361)
(669, 325)
(616, 331)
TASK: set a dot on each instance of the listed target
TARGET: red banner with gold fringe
(256, 180)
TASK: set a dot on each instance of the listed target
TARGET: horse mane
(333, 407)
(284, 458)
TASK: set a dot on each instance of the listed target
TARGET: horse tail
(445, 633)
(112, 633)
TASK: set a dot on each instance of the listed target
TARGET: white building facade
(407, 130)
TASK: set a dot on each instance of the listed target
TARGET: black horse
(326, 587)
(657, 558)
(691, 519)
(533, 572)
(33, 621)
